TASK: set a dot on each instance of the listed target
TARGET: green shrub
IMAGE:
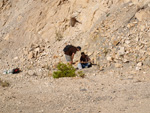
(64, 70)
(81, 74)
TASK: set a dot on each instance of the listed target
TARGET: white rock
(138, 68)
(60, 55)
(37, 49)
(31, 72)
(31, 55)
(7, 37)
(139, 64)
(140, 15)
(127, 41)
(121, 51)
(109, 58)
(125, 60)
(16, 58)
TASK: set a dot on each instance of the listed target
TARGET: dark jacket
(71, 51)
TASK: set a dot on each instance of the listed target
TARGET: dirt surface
(96, 93)
(114, 33)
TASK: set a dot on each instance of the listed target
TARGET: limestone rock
(118, 65)
(121, 51)
(127, 41)
(141, 15)
(30, 55)
(31, 72)
(139, 64)
(109, 58)
(138, 68)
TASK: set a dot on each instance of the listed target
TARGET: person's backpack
(67, 48)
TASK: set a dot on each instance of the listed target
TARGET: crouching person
(84, 61)
(70, 51)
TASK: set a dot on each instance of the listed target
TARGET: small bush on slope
(64, 70)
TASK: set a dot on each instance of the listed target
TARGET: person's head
(78, 48)
(82, 54)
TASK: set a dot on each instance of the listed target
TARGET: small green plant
(4, 83)
(81, 74)
(64, 70)
(58, 36)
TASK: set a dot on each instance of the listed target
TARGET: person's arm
(72, 58)
(89, 60)
(81, 60)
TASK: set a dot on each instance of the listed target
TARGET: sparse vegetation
(64, 70)
(4, 83)
(58, 36)
(81, 74)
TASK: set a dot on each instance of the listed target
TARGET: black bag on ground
(67, 48)
(16, 70)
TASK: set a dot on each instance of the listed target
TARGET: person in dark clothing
(85, 61)
(69, 54)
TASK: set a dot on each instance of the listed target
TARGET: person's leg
(89, 65)
(68, 58)
(84, 65)
(79, 66)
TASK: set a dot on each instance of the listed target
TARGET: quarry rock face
(112, 32)
(115, 34)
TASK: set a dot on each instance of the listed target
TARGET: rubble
(115, 37)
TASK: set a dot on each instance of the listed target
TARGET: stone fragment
(109, 58)
(101, 68)
(127, 41)
(141, 15)
(142, 27)
(118, 65)
(139, 64)
(116, 42)
(37, 50)
(31, 72)
(130, 25)
(138, 68)
(15, 58)
(125, 61)
(7, 37)
(121, 51)
(30, 55)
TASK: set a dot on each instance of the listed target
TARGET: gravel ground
(96, 93)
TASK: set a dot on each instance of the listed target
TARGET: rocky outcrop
(121, 39)
(114, 33)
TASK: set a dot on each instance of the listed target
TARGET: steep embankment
(115, 33)
(35, 32)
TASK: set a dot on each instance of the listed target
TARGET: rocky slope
(114, 33)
